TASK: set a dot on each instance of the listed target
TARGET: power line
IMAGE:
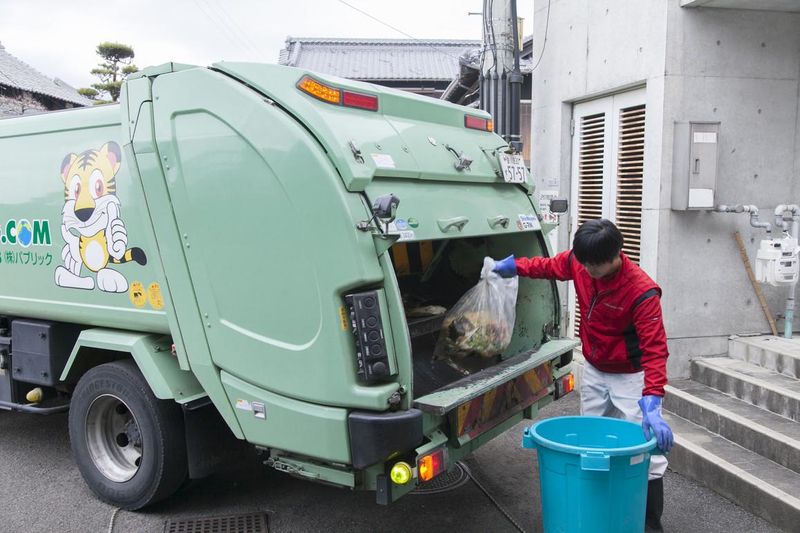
(222, 27)
(376, 19)
(544, 43)
(237, 29)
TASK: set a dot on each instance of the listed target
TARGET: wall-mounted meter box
(777, 261)
(695, 157)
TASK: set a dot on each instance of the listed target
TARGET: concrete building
(420, 66)
(739, 68)
(24, 90)
(617, 87)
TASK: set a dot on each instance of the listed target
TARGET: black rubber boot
(655, 505)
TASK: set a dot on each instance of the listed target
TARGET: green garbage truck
(255, 257)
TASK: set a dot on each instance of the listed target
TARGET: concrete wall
(741, 68)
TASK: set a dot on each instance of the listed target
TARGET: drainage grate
(450, 480)
(240, 523)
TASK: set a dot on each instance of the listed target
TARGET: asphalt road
(42, 491)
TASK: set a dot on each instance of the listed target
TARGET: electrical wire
(376, 19)
(491, 32)
(544, 43)
(238, 29)
(222, 27)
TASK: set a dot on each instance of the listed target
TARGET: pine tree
(117, 65)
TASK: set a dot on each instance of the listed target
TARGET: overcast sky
(58, 37)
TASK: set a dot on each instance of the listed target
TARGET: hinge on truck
(463, 162)
(356, 152)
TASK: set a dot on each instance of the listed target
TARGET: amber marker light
(400, 473)
(319, 90)
(431, 465)
(565, 385)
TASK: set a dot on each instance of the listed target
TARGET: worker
(622, 337)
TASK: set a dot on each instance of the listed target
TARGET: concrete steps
(763, 432)
(737, 426)
(759, 485)
(773, 353)
(754, 384)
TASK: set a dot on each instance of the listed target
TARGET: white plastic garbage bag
(482, 321)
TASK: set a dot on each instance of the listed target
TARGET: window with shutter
(630, 169)
(590, 177)
(608, 169)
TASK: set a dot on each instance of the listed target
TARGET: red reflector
(360, 101)
(477, 123)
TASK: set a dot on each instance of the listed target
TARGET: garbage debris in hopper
(481, 323)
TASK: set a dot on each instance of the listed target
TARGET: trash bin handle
(595, 461)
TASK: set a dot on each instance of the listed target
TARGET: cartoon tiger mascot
(91, 226)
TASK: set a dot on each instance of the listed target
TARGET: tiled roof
(20, 75)
(377, 59)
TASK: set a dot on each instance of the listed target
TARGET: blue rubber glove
(507, 268)
(652, 421)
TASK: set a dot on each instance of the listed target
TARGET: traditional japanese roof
(378, 59)
(19, 75)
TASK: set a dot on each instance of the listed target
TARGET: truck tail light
(364, 312)
(360, 101)
(565, 385)
(478, 123)
(431, 465)
(337, 96)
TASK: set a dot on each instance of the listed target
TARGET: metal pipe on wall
(780, 211)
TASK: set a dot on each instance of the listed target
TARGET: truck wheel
(129, 446)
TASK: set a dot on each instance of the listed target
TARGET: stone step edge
(738, 419)
(758, 354)
(757, 342)
(757, 483)
(703, 361)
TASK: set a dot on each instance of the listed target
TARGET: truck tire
(129, 446)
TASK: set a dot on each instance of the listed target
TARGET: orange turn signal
(431, 465)
(319, 90)
(565, 385)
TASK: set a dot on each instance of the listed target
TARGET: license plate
(486, 411)
(514, 169)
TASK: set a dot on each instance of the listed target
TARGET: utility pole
(501, 79)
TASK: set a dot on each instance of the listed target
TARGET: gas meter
(777, 261)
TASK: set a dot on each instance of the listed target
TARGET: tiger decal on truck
(92, 226)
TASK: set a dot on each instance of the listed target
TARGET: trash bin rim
(577, 450)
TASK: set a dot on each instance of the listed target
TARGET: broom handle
(756, 288)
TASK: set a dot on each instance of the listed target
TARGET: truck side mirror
(384, 208)
(559, 205)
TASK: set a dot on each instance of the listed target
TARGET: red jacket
(621, 329)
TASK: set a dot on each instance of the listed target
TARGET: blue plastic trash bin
(592, 473)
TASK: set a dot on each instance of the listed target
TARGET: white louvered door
(607, 170)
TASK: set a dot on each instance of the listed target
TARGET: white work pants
(617, 396)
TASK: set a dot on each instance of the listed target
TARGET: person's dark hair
(596, 242)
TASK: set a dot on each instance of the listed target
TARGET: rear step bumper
(448, 398)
